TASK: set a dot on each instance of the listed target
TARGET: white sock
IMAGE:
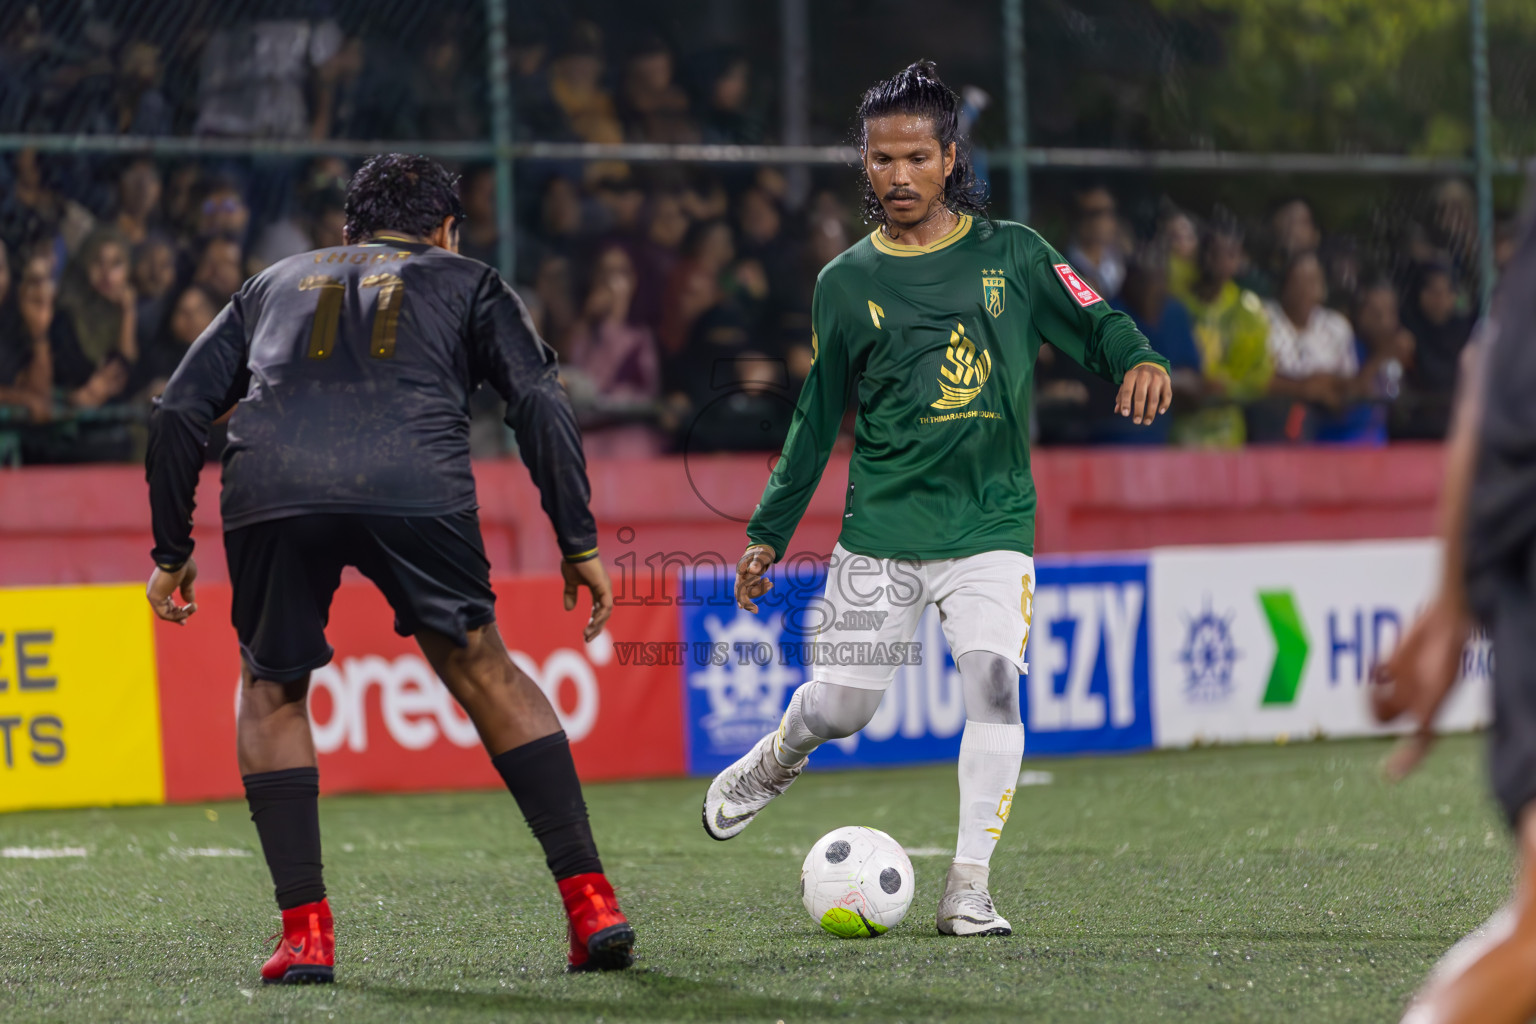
(989, 770)
(795, 740)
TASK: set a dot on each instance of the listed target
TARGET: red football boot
(601, 937)
(306, 951)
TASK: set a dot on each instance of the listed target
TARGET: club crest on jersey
(965, 370)
(1084, 295)
(992, 283)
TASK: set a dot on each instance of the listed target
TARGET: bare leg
(272, 725)
(1490, 977)
(507, 707)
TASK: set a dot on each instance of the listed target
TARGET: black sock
(285, 807)
(542, 778)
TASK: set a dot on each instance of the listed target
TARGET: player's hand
(750, 585)
(1146, 391)
(1416, 680)
(594, 577)
(162, 590)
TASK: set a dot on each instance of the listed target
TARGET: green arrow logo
(1290, 646)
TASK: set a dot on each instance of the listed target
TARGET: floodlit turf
(1262, 884)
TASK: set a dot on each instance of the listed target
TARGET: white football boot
(745, 788)
(966, 908)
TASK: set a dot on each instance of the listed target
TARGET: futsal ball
(857, 882)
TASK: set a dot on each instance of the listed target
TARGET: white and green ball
(857, 882)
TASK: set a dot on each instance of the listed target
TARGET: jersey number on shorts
(1027, 609)
(386, 313)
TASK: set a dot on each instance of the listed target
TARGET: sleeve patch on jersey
(1084, 295)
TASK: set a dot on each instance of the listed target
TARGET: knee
(833, 711)
(991, 686)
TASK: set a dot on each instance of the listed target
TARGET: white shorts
(863, 627)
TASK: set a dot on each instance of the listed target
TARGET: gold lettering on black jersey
(992, 285)
(322, 332)
(386, 314)
(875, 313)
(965, 369)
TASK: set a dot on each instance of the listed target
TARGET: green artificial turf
(1258, 883)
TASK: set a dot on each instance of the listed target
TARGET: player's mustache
(901, 193)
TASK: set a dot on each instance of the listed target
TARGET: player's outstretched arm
(1076, 320)
(1420, 674)
(813, 430)
(507, 352)
(211, 378)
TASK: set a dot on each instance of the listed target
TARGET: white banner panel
(1261, 642)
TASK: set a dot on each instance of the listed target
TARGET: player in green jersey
(936, 319)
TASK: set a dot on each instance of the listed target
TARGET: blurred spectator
(218, 267)
(192, 310)
(654, 107)
(1440, 332)
(726, 120)
(33, 210)
(620, 203)
(555, 292)
(616, 363)
(255, 77)
(222, 211)
(478, 237)
(655, 257)
(316, 220)
(359, 93)
(449, 101)
(1231, 332)
(576, 86)
(1162, 318)
(1095, 247)
(1311, 346)
(138, 106)
(138, 200)
(1313, 349)
(39, 351)
(763, 242)
(182, 193)
(1294, 227)
(1179, 239)
(1453, 234)
(97, 297)
(561, 216)
(1382, 344)
(153, 277)
(25, 365)
(695, 285)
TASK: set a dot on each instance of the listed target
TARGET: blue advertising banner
(1090, 692)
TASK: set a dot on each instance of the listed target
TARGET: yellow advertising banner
(79, 704)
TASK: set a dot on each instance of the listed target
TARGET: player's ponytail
(918, 90)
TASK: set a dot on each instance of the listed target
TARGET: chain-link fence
(683, 169)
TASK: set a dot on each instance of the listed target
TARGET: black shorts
(284, 572)
(1510, 611)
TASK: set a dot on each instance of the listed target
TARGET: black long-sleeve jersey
(350, 371)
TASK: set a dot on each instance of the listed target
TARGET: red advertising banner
(383, 722)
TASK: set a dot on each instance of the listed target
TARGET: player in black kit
(349, 371)
(1488, 527)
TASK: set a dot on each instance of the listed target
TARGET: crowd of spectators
(677, 297)
(1290, 337)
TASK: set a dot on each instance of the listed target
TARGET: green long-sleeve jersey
(941, 340)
